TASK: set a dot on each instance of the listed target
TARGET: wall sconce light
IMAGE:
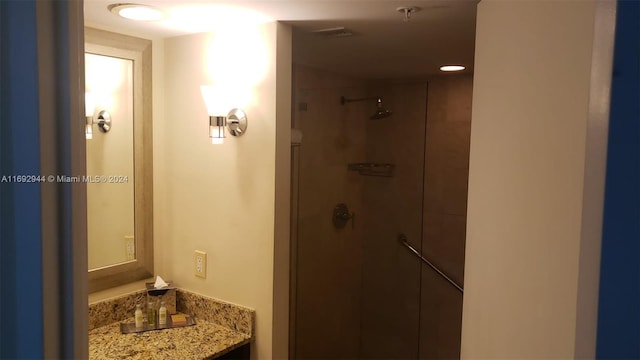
(235, 120)
(103, 121)
(89, 108)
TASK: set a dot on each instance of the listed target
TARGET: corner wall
(535, 182)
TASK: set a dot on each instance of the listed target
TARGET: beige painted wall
(220, 199)
(525, 227)
(110, 205)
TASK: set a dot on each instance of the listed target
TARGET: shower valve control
(341, 216)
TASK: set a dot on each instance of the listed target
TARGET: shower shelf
(373, 169)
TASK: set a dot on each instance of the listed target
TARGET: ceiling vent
(335, 32)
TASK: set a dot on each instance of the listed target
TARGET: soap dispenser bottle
(151, 315)
(139, 316)
(162, 315)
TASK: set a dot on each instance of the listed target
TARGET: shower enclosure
(378, 217)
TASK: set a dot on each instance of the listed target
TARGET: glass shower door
(326, 261)
(357, 291)
(393, 205)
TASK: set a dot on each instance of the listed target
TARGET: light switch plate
(200, 264)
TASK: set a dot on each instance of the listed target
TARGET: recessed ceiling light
(452, 68)
(137, 12)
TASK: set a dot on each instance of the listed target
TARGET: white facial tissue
(159, 284)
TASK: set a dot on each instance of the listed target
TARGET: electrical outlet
(129, 247)
(200, 264)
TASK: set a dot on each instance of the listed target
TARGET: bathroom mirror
(119, 159)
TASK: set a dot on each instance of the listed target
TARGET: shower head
(380, 113)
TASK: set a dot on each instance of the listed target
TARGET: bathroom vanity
(222, 330)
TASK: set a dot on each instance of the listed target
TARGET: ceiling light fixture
(137, 12)
(452, 68)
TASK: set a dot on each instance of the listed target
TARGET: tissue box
(166, 294)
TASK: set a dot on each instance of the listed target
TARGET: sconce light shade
(214, 100)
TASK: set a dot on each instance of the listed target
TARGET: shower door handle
(402, 238)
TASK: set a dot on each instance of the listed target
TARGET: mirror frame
(138, 50)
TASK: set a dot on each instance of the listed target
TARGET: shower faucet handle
(341, 215)
(345, 216)
(350, 216)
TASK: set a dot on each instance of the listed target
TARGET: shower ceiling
(382, 45)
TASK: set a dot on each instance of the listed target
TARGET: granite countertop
(205, 340)
(220, 328)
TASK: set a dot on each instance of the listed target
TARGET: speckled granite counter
(220, 327)
(204, 340)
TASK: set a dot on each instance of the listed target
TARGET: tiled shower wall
(359, 293)
(445, 214)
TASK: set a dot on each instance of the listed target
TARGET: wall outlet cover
(200, 264)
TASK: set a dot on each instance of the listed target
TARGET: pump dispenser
(139, 316)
